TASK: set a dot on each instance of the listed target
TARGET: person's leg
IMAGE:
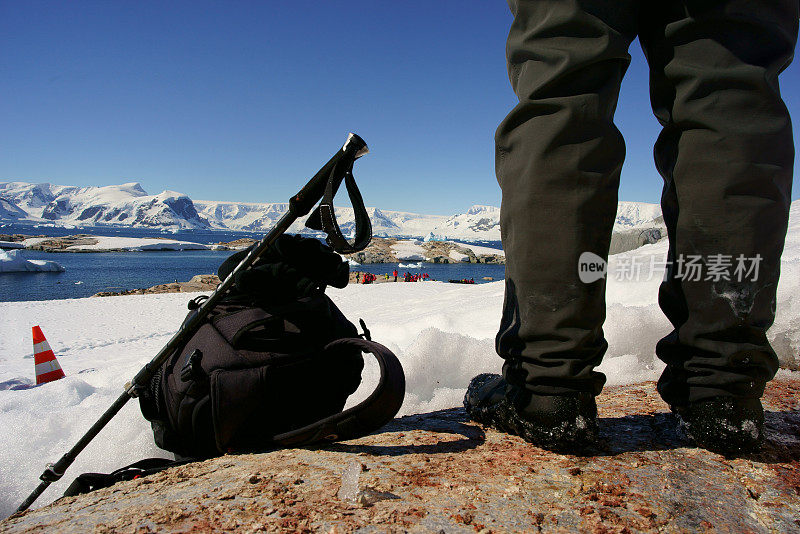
(559, 158)
(726, 156)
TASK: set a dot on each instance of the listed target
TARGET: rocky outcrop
(236, 244)
(14, 238)
(630, 239)
(448, 252)
(380, 251)
(200, 282)
(60, 244)
(438, 472)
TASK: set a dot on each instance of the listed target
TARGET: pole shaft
(32, 497)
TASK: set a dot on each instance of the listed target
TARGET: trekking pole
(323, 187)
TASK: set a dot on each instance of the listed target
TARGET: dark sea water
(90, 273)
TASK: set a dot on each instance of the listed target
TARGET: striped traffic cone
(47, 368)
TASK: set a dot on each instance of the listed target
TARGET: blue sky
(244, 101)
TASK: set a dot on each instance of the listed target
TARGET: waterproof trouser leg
(726, 156)
(558, 162)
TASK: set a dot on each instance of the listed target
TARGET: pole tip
(355, 142)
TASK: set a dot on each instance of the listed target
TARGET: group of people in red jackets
(365, 278)
(408, 277)
(368, 278)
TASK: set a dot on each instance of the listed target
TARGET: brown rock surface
(60, 244)
(380, 251)
(236, 244)
(199, 282)
(438, 472)
(14, 238)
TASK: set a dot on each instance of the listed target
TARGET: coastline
(380, 249)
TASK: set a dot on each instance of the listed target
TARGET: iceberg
(12, 261)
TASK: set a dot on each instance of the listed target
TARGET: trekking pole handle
(307, 198)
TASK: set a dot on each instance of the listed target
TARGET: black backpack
(272, 366)
(252, 377)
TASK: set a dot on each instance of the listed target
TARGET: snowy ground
(406, 250)
(442, 333)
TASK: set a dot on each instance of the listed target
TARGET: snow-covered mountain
(130, 205)
(240, 215)
(480, 223)
(9, 211)
(261, 217)
(635, 214)
(119, 205)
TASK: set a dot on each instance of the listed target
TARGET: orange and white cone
(47, 367)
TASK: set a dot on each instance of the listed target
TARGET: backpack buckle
(192, 369)
(366, 335)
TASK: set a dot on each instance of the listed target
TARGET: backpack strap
(93, 481)
(367, 416)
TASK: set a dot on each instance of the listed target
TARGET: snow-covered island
(97, 243)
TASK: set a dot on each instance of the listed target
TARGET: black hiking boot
(555, 422)
(726, 425)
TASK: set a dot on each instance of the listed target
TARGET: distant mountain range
(129, 205)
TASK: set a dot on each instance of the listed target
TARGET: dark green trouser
(726, 156)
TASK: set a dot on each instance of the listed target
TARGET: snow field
(136, 243)
(458, 256)
(407, 250)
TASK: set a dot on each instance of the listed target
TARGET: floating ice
(13, 261)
